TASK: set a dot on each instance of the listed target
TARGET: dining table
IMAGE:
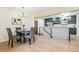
(22, 33)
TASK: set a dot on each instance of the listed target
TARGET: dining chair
(30, 36)
(12, 37)
(17, 29)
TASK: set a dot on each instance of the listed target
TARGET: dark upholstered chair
(17, 29)
(30, 36)
(12, 37)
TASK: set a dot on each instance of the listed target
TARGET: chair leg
(29, 41)
(20, 39)
(11, 43)
(24, 40)
(17, 40)
(34, 39)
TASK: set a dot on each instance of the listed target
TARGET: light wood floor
(43, 44)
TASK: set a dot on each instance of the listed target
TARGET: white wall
(41, 22)
(28, 21)
(77, 24)
(5, 21)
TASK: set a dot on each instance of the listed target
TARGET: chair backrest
(18, 28)
(9, 33)
(32, 31)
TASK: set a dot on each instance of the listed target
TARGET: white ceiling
(38, 10)
(31, 10)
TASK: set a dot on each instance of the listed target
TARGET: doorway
(36, 27)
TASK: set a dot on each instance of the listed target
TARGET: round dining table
(22, 33)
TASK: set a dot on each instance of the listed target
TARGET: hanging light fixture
(23, 17)
(22, 11)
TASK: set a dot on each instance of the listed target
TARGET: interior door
(36, 27)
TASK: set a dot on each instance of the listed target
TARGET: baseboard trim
(3, 40)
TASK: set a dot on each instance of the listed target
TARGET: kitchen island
(56, 32)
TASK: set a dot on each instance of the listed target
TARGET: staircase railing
(50, 34)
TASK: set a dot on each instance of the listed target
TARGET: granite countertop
(59, 27)
(56, 27)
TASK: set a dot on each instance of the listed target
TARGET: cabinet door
(48, 21)
(72, 19)
(72, 31)
(56, 20)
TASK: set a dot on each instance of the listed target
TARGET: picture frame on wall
(16, 21)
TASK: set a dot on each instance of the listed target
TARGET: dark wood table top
(21, 32)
